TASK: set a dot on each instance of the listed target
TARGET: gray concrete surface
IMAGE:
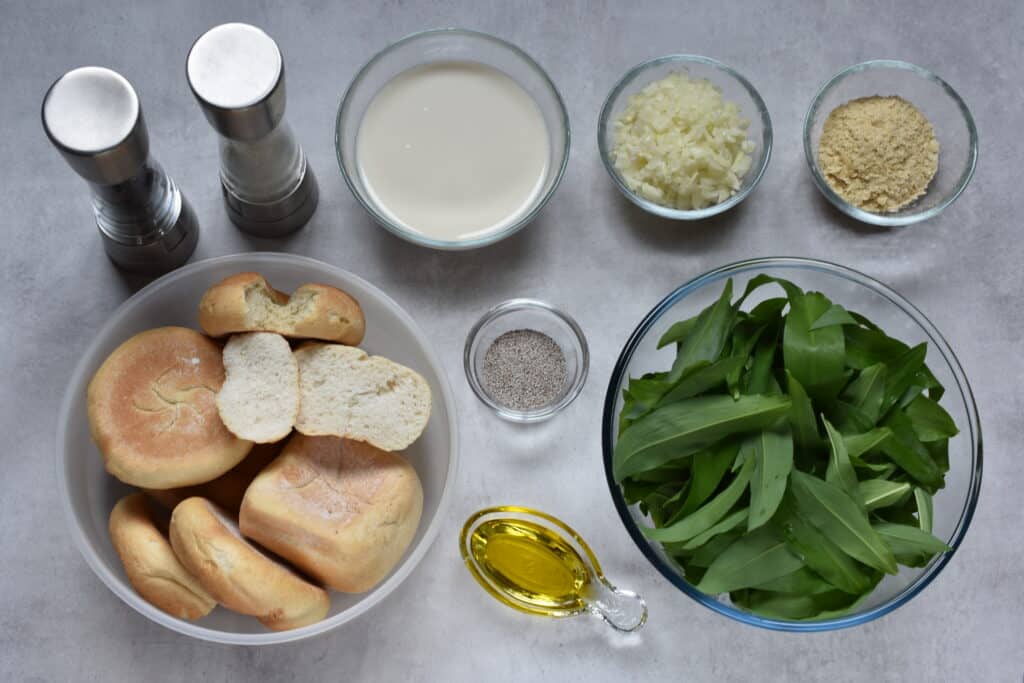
(590, 251)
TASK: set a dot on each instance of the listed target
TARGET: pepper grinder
(237, 74)
(92, 116)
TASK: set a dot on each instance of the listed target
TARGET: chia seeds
(524, 370)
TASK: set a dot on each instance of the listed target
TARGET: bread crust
(342, 511)
(153, 414)
(238, 575)
(227, 490)
(237, 304)
(152, 568)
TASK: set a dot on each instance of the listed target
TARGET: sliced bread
(247, 303)
(345, 392)
(259, 400)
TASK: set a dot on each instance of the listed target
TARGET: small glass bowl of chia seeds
(526, 360)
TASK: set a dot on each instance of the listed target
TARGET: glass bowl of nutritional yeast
(526, 360)
(879, 167)
(670, 131)
(812, 562)
(452, 139)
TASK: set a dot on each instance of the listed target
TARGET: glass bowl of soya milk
(452, 139)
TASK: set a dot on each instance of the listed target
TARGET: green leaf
(708, 336)
(907, 451)
(773, 461)
(818, 552)
(867, 392)
(930, 421)
(880, 493)
(835, 315)
(706, 516)
(925, 510)
(814, 357)
(678, 332)
(707, 553)
(902, 374)
(708, 469)
(801, 416)
(866, 347)
(769, 310)
(801, 581)
(781, 605)
(866, 442)
(686, 427)
(730, 522)
(840, 471)
(841, 518)
(910, 543)
(744, 338)
(700, 379)
(756, 557)
(848, 418)
(759, 376)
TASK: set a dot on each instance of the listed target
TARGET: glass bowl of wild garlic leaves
(792, 444)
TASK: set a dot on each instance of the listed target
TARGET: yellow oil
(531, 565)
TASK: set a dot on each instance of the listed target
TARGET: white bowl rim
(124, 591)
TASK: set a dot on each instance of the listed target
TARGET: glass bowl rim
(544, 308)
(668, 211)
(885, 220)
(454, 245)
(971, 429)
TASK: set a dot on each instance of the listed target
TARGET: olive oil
(537, 564)
(531, 564)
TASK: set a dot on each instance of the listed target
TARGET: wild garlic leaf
(678, 332)
(772, 450)
(802, 581)
(814, 357)
(841, 518)
(907, 451)
(910, 543)
(686, 427)
(699, 379)
(840, 470)
(707, 337)
(930, 421)
(706, 554)
(756, 557)
(880, 493)
(835, 315)
(867, 391)
(759, 377)
(709, 467)
(707, 515)
(801, 416)
(925, 510)
(730, 522)
(866, 442)
(818, 552)
(902, 374)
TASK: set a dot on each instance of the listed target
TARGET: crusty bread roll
(260, 397)
(152, 568)
(153, 414)
(238, 575)
(345, 392)
(342, 511)
(227, 490)
(247, 303)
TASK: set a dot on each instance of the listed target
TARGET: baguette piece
(152, 568)
(247, 303)
(260, 397)
(342, 511)
(153, 414)
(238, 575)
(345, 392)
(227, 490)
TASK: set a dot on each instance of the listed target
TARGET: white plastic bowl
(89, 493)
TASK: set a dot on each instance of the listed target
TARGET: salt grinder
(237, 75)
(92, 116)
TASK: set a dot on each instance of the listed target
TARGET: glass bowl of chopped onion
(796, 505)
(684, 137)
(889, 143)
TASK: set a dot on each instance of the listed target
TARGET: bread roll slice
(238, 575)
(227, 490)
(153, 413)
(260, 397)
(342, 511)
(247, 303)
(152, 568)
(345, 392)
